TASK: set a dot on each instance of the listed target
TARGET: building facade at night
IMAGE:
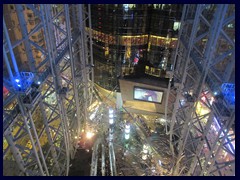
(131, 36)
(119, 89)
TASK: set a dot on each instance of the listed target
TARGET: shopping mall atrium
(119, 90)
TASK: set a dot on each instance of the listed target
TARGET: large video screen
(149, 95)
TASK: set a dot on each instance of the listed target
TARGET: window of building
(37, 20)
(31, 22)
(40, 35)
(29, 15)
(176, 25)
(41, 41)
(157, 6)
(230, 25)
(12, 7)
(18, 28)
(163, 6)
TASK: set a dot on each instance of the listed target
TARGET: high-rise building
(15, 34)
(132, 89)
(129, 35)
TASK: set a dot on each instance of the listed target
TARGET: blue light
(228, 91)
(215, 93)
(17, 80)
(38, 82)
(19, 85)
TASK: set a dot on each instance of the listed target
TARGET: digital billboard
(148, 95)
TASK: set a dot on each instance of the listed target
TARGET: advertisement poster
(148, 95)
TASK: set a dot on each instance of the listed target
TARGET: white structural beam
(40, 123)
(201, 117)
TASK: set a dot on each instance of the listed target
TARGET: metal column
(206, 42)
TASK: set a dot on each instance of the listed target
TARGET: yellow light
(89, 135)
(75, 137)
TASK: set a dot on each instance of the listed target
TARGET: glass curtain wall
(126, 36)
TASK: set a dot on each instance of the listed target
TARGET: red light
(203, 99)
(5, 90)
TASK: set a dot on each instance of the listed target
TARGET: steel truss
(39, 134)
(204, 60)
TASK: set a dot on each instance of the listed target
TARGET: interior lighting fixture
(127, 136)
(89, 135)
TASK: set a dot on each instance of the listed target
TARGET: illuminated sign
(148, 95)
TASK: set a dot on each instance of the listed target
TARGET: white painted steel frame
(61, 59)
(195, 72)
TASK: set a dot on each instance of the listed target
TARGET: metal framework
(203, 139)
(47, 108)
(43, 117)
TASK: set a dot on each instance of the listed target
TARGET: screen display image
(148, 95)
